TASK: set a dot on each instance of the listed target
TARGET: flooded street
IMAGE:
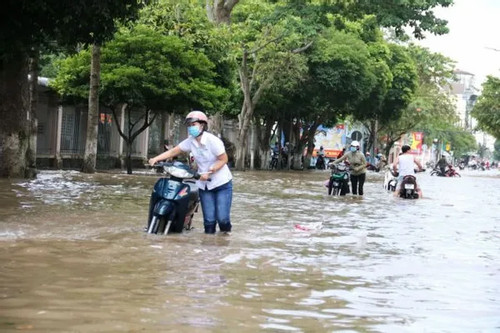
(74, 257)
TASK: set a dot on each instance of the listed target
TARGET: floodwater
(74, 257)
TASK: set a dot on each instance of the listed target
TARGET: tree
(418, 15)
(145, 71)
(267, 49)
(393, 14)
(496, 153)
(430, 106)
(340, 77)
(27, 26)
(487, 109)
(201, 28)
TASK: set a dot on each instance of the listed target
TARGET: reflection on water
(74, 258)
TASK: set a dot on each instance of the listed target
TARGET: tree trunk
(245, 116)
(33, 119)
(90, 156)
(252, 148)
(311, 132)
(241, 142)
(263, 134)
(219, 11)
(14, 109)
(375, 137)
(129, 157)
(130, 135)
(217, 124)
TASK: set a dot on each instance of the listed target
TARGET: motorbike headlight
(178, 172)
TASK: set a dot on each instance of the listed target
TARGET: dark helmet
(405, 148)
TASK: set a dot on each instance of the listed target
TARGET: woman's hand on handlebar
(205, 176)
(152, 161)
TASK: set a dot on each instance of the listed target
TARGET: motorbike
(408, 188)
(273, 164)
(174, 199)
(338, 184)
(372, 167)
(450, 172)
(390, 180)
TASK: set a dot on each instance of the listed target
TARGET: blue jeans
(216, 206)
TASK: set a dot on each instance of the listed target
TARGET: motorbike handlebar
(160, 165)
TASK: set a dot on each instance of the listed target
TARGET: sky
(474, 27)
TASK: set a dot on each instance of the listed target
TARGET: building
(465, 94)
(62, 128)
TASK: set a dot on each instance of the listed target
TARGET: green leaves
(487, 109)
(144, 68)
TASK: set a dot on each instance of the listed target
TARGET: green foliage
(433, 69)
(187, 19)
(25, 24)
(340, 69)
(429, 108)
(487, 109)
(266, 47)
(72, 80)
(144, 68)
(496, 152)
(48, 64)
(399, 14)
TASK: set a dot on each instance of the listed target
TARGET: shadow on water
(74, 257)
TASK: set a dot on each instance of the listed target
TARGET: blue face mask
(194, 131)
(353, 149)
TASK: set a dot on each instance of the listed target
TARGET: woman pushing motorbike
(215, 184)
(357, 161)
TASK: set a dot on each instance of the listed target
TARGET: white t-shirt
(406, 165)
(205, 154)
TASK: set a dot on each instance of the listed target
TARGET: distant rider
(442, 165)
(321, 151)
(320, 162)
(405, 165)
(357, 161)
(382, 161)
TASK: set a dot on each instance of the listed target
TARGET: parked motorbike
(408, 188)
(338, 184)
(174, 199)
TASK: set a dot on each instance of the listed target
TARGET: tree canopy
(26, 24)
(144, 68)
(487, 109)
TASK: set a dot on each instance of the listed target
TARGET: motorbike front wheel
(159, 225)
(153, 226)
(333, 190)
